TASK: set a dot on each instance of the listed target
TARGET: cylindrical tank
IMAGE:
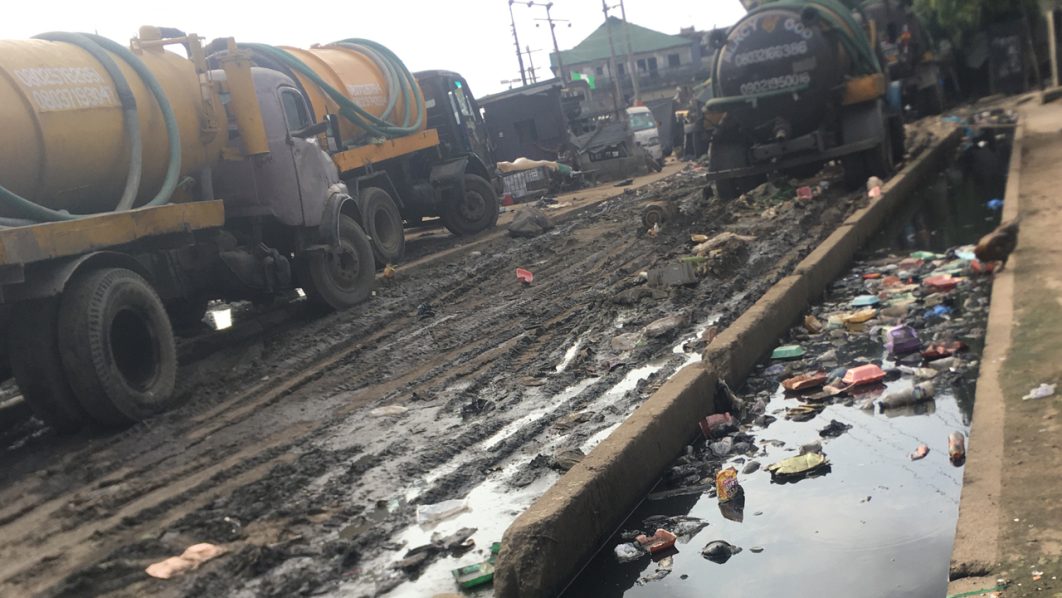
(358, 75)
(65, 146)
(773, 49)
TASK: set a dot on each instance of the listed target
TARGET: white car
(643, 125)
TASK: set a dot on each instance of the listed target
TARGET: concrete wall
(550, 542)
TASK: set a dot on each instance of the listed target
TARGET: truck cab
(454, 113)
(646, 133)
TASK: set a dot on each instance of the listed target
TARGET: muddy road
(282, 454)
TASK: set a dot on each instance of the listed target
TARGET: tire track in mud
(491, 343)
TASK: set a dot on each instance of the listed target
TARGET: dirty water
(876, 523)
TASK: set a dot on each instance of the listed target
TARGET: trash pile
(892, 334)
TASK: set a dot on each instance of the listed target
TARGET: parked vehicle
(646, 133)
(796, 83)
(109, 226)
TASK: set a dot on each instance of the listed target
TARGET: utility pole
(531, 65)
(516, 42)
(630, 53)
(553, 34)
(617, 96)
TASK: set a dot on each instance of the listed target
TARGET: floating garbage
(795, 468)
(920, 452)
(834, 429)
(719, 551)
(865, 301)
(478, 574)
(805, 381)
(995, 204)
(1040, 392)
(937, 351)
(902, 340)
(627, 552)
(922, 391)
(660, 541)
(788, 352)
(803, 413)
(942, 283)
(726, 485)
(864, 375)
(957, 448)
(717, 425)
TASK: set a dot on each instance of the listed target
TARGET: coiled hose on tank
(398, 76)
(29, 212)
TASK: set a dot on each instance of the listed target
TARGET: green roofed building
(662, 61)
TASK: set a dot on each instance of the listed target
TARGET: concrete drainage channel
(550, 542)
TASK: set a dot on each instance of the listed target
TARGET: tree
(959, 19)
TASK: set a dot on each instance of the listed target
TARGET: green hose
(394, 70)
(95, 46)
(130, 117)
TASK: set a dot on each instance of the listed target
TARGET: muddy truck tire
(475, 212)
(383, 224)
(342, 279)
(117, 346)
(33, 349)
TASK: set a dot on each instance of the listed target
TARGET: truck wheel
(476, 211)
(33, 347)
(931, 100)
(117, 346)
(344, 278)
(727, 156)
(383, 224)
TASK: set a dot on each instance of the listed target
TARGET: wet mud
(281, 454)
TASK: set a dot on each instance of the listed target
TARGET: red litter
(805, 193)
(716, 421)
(805, 381)
(525, 276)
(658, 542)
(942, 283)
(941, 350)
(863, 375)
(507, 199)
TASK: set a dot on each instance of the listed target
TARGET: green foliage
(959, 19)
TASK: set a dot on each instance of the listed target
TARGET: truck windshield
(641, 121)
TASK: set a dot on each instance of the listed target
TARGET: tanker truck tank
(65, 116)
(795, 83)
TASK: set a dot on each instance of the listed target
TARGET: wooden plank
(365, 155)
(38, 242)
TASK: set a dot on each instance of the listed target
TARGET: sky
(472, 37)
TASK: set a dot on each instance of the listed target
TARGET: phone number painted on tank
(773, 53)
(55, 89)
(775, 83)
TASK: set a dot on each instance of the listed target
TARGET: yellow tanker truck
(137, 184)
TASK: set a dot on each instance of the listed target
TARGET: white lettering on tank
(60, 88)
(772, 53)
(367, 94)
(775, 83)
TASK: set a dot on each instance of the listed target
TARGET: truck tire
(33, 348)
(931, 100)
(723, 155)
(117, 346)
(345, 278)
(476, 211)
(383, 224)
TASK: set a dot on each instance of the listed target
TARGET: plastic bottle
(957, 448)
